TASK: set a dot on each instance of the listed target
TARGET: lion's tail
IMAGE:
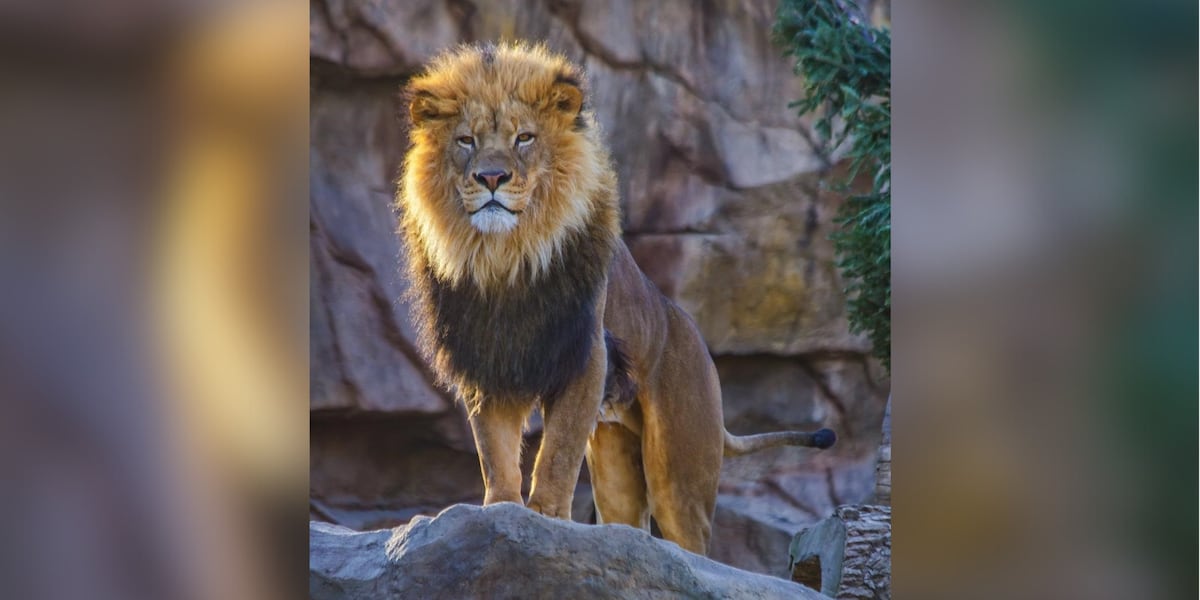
(737, 445)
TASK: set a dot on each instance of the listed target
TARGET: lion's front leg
(497, 429)
(568, 422)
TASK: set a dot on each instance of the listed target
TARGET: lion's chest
(527, 344)
(524, 341)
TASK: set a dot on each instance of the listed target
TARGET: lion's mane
(509, 315)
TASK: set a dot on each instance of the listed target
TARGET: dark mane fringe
(521, 343)
(619, 386)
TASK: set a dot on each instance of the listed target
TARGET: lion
(525, 295)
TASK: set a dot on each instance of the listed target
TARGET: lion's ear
(566, 97)
(427, 107)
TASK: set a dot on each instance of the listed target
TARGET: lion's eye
(466, 141)
(524, 139)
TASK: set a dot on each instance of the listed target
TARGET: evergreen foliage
(846, 65)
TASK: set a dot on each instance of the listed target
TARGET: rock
(376, 38)
(751, 536)
(847, 556)
(370, 473)
(883, 469)
(507, 551)
(760, 278)
(762, 506)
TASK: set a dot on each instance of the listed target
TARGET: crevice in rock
(319, 509)
(319, 240)
(788, 497)
(823, 385)
(831, 354)
(568, 14)
(694, 234)
(819, 149)
(670, 76)
(327, 74)
(826, 163)
(795, 327)
(877, 385)
(705, 173)
(379, 35)
(333, 27)
(391, 332)
(463, 10)
(831, 485)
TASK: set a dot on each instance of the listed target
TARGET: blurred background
(1044, 273)
(153, 331)
(723, 208)
(153, 259)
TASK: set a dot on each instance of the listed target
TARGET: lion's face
(504, 162)
(497, 162)
(493, 115)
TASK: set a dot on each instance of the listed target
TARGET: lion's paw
(549, 510)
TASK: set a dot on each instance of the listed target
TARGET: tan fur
(657, 454)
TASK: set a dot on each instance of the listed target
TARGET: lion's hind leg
(682, 440)
(683, 496)
(614, 457)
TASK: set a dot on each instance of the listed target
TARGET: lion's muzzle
(494, 217)
(494, 203)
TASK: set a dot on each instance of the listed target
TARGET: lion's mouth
(494, 203)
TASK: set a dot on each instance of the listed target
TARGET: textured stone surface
(722, 207)
(847, 556)
(883, 467)
(507, 551)
(753, 535)
(761, 277)
(815, 556)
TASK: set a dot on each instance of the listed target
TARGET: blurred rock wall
(720, 188)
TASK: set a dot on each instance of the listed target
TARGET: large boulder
(507, 551)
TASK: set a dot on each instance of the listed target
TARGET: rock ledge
(507, 551)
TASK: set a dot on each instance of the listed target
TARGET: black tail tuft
(824, 438)
(619, 387)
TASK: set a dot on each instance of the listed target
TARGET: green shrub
(846, 66)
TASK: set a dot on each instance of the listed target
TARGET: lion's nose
(493, 179)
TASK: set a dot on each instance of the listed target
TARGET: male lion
(525, 294)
